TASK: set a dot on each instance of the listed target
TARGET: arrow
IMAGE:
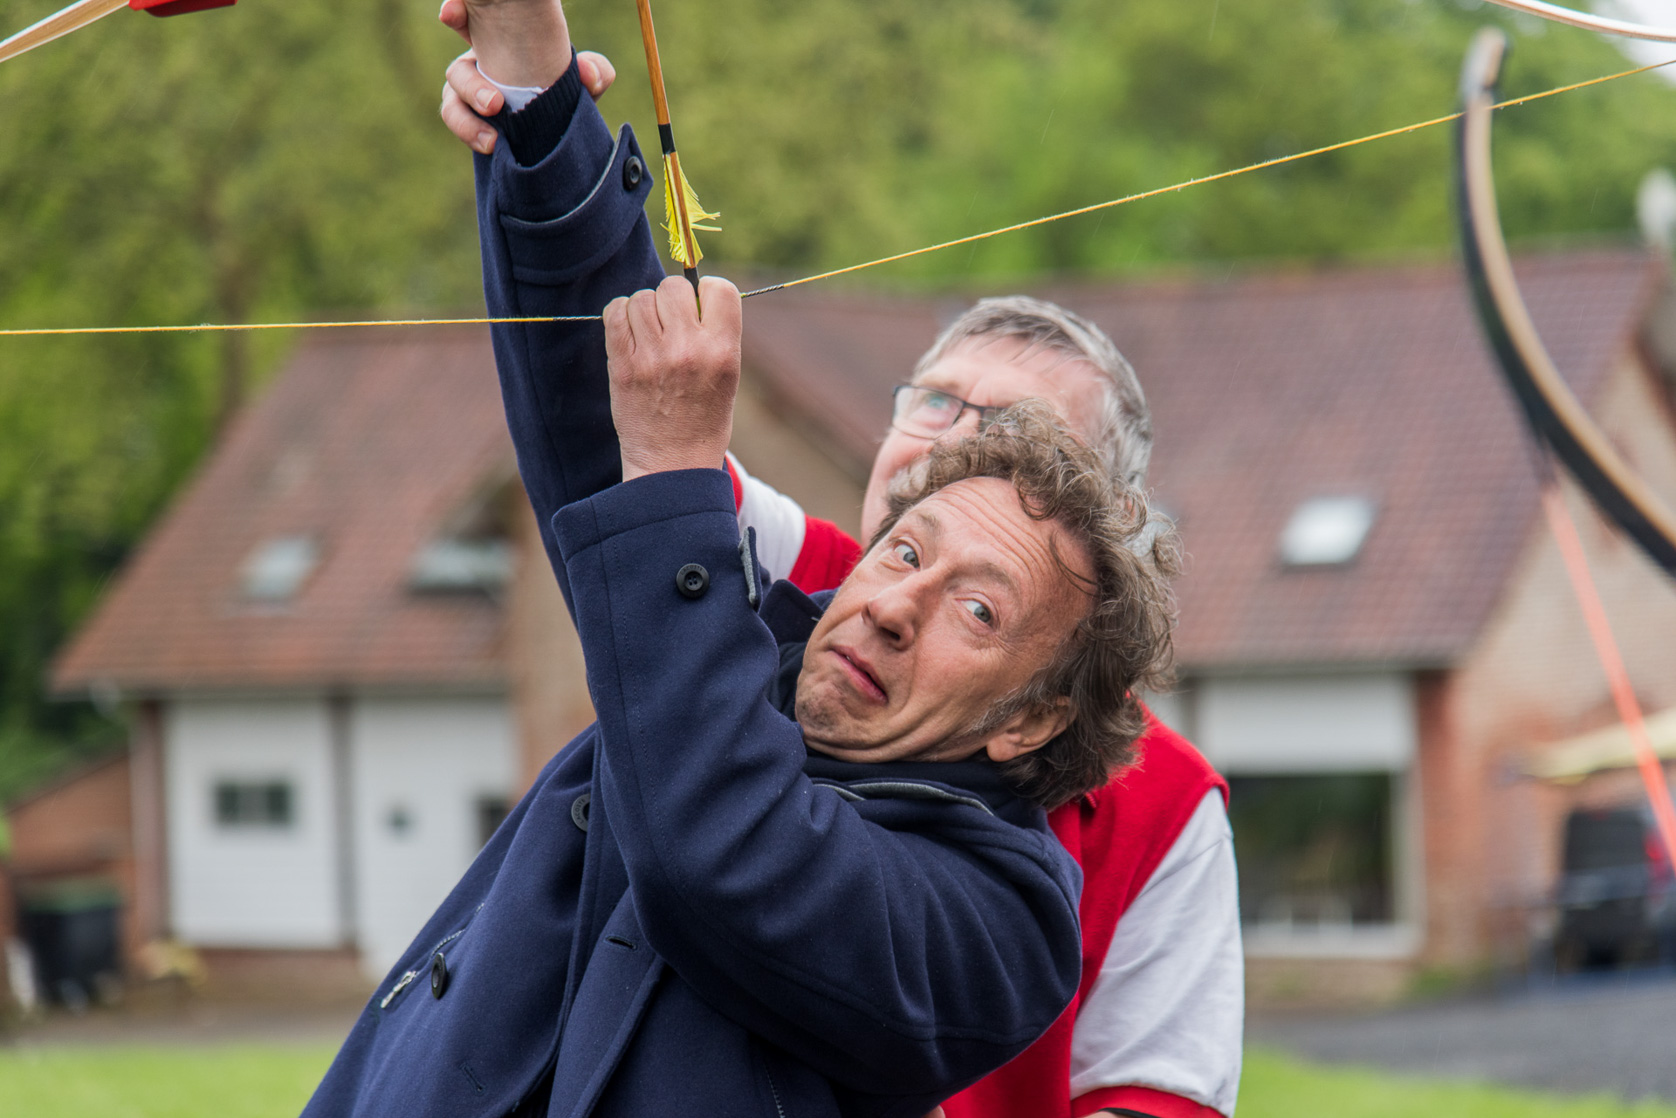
(684, 214)
(84, 12)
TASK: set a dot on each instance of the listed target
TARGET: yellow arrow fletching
(683, 215)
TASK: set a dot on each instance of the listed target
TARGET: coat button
(692, 581)
(579, 811)
(439, 975)
(633, 171)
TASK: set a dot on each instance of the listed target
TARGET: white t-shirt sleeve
(780, 522)
(518, 97)
(1168, 1010)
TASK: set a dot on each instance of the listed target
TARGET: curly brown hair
(1123, 644)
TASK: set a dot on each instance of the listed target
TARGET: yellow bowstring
(1248, 169)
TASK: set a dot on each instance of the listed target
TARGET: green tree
(840, 130)
(227, 166)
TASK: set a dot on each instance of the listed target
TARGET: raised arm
(560, 211)
(896, 947)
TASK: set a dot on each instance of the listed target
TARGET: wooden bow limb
(1555, 414)
(1589, 22)
(57, 25)
(84, 12)
(1557, 420)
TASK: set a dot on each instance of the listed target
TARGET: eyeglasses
(930, 414)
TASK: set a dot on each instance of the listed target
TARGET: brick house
(1377, 642)
(328, 644)
(346, 654)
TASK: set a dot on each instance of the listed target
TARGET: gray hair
(1122, 432)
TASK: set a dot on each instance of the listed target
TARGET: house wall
(252, 887)
(421, 770)
(411, 775)
(1532, 679)
(148, 912)
(550, 701)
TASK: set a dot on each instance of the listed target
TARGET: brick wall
(1492, 835)
(544, 656)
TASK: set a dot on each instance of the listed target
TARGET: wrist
(636, 466)
(521, 44)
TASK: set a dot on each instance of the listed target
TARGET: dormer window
(454, 566)
(1326, 531)
(277, 569)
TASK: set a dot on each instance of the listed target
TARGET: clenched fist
(673, 375)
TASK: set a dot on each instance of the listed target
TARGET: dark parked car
(1616, 898)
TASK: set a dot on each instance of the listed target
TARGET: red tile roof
(368, 443)
(1266, 391)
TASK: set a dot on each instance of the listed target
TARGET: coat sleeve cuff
(568, 175)
(536, 130)
(1139, 1101)
(565, 217)
(640, 503)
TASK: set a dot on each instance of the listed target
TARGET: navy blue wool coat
(689, 913)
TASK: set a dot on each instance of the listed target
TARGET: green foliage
(217, 167)
(841, 130)
(283, 159)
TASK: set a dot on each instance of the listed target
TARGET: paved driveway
(1584, 1034)
(190, 1024)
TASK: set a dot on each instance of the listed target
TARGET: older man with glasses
(1155, 1028)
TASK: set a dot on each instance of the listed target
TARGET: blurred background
(278, 645)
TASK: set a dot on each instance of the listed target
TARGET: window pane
(276, 805)
(267, 803)
(1313, 850)
(491, 811)
(226, 804)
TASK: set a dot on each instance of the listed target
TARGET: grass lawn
(236, 1081)
(1276, 1086)
(273, 1081)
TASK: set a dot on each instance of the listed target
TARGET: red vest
(1118, 835)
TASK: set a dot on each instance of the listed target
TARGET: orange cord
(1606, 647)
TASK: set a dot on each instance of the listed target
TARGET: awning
(1607, 748)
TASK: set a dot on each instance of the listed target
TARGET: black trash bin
(73, 929)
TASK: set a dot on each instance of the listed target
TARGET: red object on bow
(177, 7)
